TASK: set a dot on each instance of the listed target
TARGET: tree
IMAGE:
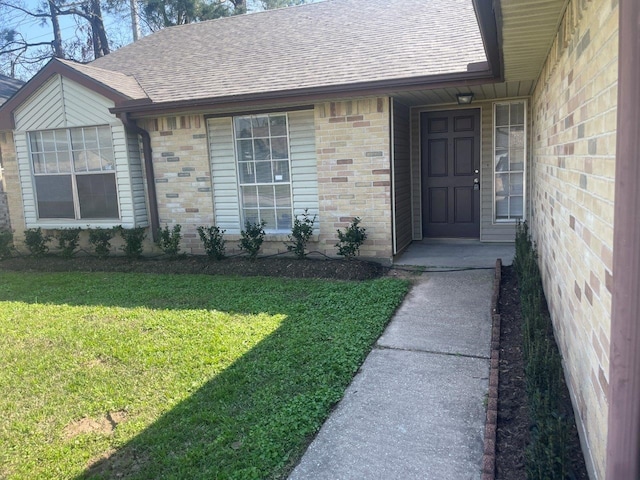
(16, 52)
(159, 14)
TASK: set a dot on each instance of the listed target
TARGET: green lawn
(159, 376)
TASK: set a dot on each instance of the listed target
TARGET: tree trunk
(57, 36)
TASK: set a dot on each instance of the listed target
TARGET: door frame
(420, 171)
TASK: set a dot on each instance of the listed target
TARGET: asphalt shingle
(330, 43)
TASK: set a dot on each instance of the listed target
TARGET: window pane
(243, 127)
(77, 139)
(269, 216)
(108, 160)
(247, 172)
(516, 209)
(517, 137)
(51, 162)
(263, 172)
(245, 150)
(90, 138)
(104, 137)
(38, 163)
(265, 196)
(36, 142)
(262, 149)
(54, 196)
(48, 142)
(283, 195)
(281, 171)
(251, 216)
(278, 124)
(502, 115)
(502, 162)
(260, 124)
(502, 208)
(283, 218)
(502, 138)
(279, 148)
(515, 184)
(61, 140)
(94, 160)
(517, 160)
(249, 197)
(97, 196)
(517, 113)
(80, 161)
(502, 184)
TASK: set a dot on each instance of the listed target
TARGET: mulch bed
(279, 266)
(513, 414)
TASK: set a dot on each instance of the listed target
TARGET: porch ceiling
(527, 30)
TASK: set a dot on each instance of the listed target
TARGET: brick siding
(573, 168)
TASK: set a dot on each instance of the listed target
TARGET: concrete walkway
(416, 409)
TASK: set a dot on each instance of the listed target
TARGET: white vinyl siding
(62, 103)
(304, 172)
(136, 178)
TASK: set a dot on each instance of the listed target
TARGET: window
(509, 161)
(74, 173)
(264, 170)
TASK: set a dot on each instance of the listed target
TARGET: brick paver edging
(489, 457)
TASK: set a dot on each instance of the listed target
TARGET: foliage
(6, 242)
(36, 241)
(133, 238)
(351, 239)
(169, 240)
(251, 238)
(300, 234)
(68, 239)
(100, 238)
(210, 377)
(159, 14)
(213, 241)
(546, 454)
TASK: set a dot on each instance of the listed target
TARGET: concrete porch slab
(455, 253)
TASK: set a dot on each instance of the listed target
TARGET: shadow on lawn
(254, 419)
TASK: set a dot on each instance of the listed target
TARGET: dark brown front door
(450, 144)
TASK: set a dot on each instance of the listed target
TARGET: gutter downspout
(623, 436)
(148, 168)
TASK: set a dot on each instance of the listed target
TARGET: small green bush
(213, 241)
(36, 241)
(68, 239)
(133, 238)
(300, 234)
(251, 238)
(351, 239)
(100, 238)
(546, 454)
(6, 242)
(169, 240)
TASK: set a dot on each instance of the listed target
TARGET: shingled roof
(8, 86)
(330, 43)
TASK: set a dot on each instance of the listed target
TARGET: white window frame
(494, 172)
(78, 219)
(273, 183)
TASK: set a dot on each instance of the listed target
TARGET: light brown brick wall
(354, 180)
(11, 186)
(353, 154)
(573, 168)
(182, 175)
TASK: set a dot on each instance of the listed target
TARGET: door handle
(476, 184)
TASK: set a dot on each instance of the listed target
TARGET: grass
(157, 376)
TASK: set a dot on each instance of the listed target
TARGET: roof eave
(489, 16)
(54, 67)
(138, 109)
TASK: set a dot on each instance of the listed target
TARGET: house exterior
(8, 86)
(348, 108)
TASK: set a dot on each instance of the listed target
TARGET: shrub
(100, 238)
(300, 234)
(350, 241)
(251, 238)
(169, 240)
(546, 454)
(6, 242)
(133, 238)
(36, 241)
(68, 239)
(213, 241)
